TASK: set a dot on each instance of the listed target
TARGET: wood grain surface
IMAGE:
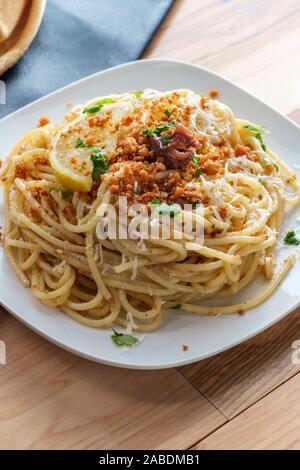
(237, 378)
(272, 423)
(253, 42)
(52, 399)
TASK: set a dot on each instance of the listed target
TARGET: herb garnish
(66, 194)
(158, 130)
(257, 134)
(138, 94)
(166, 209)
(176, 307)
(98, 157)
(97, 106)
(196, 161)
(290, 238)
(51, 256)
(166, 139)
(81, 144)
(100, 163)
(121, 339)
(167, 112)
(155, 201)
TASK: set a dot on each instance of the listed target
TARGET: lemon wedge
(74, 162)
(71, 165)
(72, 176)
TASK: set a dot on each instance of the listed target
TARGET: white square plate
(205, 336)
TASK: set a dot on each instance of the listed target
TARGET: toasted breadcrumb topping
(44, 120)
(163, 147)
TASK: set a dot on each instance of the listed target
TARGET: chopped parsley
(158, 130)
(276, 167)
(51, 256)
(186, 143)
(66, 194)
(195, 205)
(167, 112)
(121, 339)
(97, 106)
(50, 259)
(257, 134)
(155, 201)
(166, 139)
(138, 94)
(293, 179)
(291, 239)
(81, 144)
(176, 307)
(166, 209)
(100, 163)
(196, 161)
(99, 160)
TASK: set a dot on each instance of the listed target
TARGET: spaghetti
(157, 149)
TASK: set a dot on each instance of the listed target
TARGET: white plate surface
(205, 336)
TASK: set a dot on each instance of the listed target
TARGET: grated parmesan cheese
(134, 269)
(130, 323)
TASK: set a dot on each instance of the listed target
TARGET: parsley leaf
(166, 209)
(166, 139)
(158, 130)
(186, 143)
(80, 144)
(51, 256)
(276, 167)
(97, 106)
(167, 112)
(65, 194)
(176, 307)
(196, 161)
(257, 134)
(100, 163)
(99, 159)
(138, 94)
(121, 339)
(293, 179)
(155, 201)
(290, 238)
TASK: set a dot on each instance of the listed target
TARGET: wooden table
(247, 397)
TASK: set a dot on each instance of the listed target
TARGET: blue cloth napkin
(80, 37)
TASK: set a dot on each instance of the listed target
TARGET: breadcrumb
(213, 93)
(44, 120)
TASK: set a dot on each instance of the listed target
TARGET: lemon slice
(73, 168)
(70, 156)
(70, 179)
(72, 165)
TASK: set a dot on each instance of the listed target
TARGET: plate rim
(149, 366)
(133, 364)
(141, 61)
